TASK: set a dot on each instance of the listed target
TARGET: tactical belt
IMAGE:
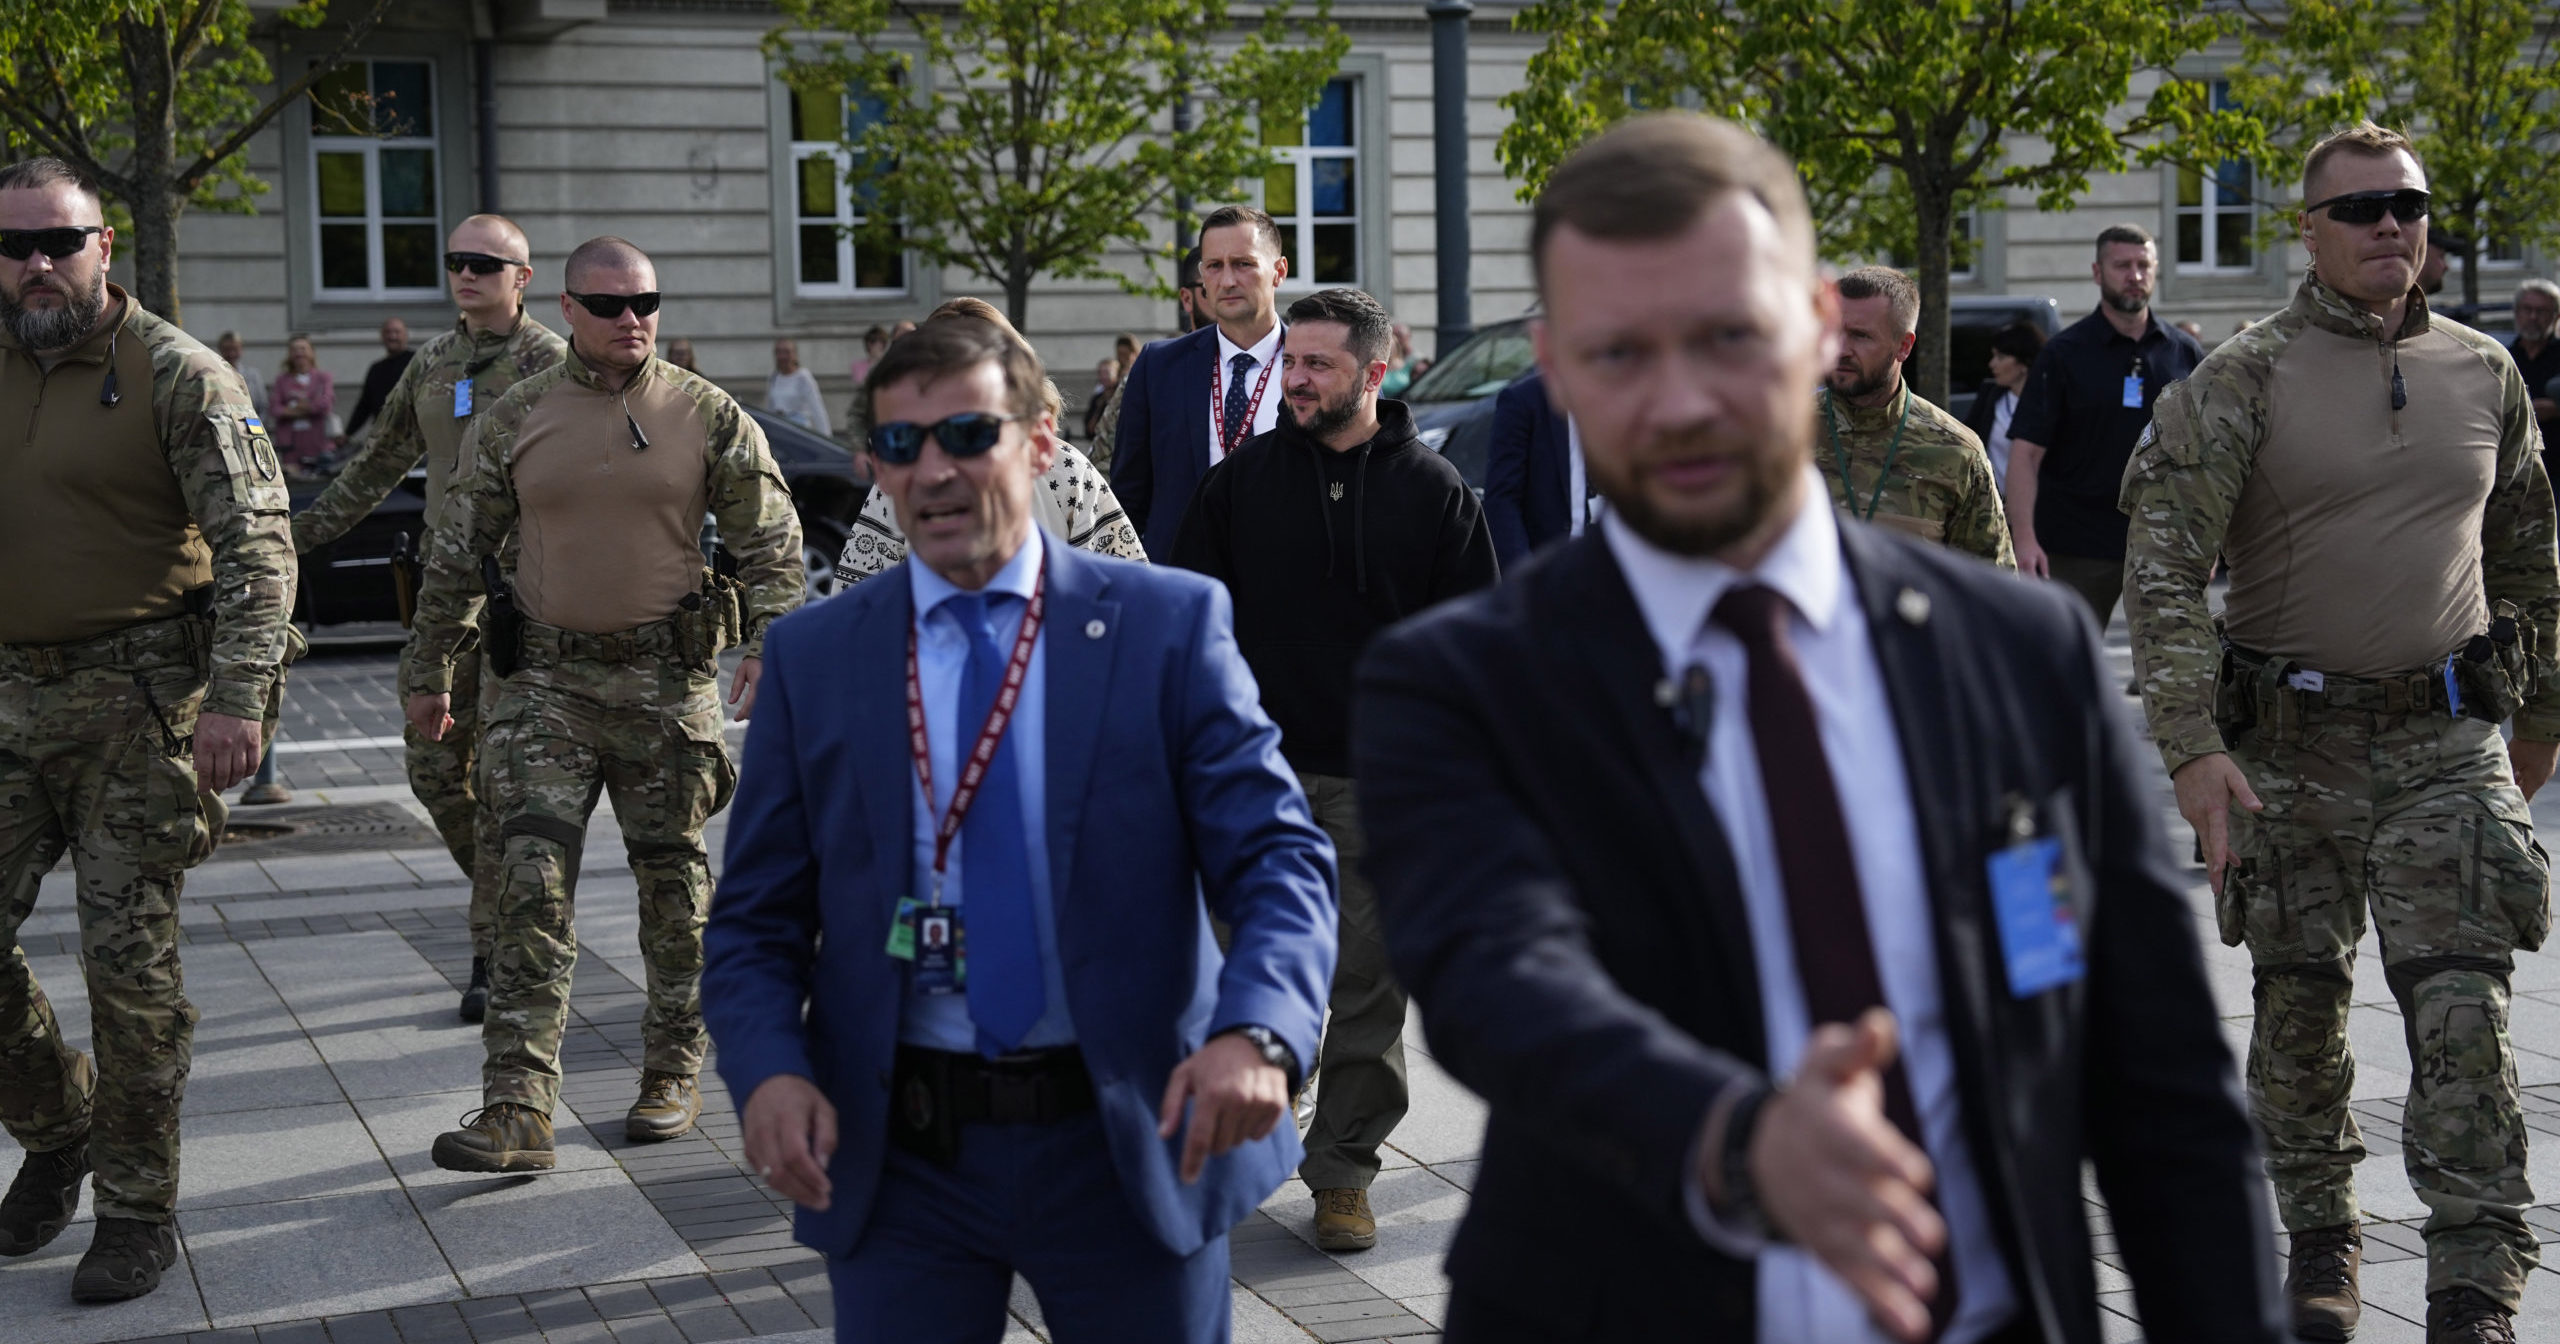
(549, 645)
(172, 641)
(2419, 692)
(934, 1092)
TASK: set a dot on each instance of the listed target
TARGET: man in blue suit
(960, 967)
(1167, 439)
(1530, 471)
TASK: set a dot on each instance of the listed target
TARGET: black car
(349, 580)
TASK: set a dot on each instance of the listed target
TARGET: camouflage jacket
(1106, 427)
(747, 497)
(1073, 501)
(1937, 486)
(2193, 465)
(420, 422)
(234, 492)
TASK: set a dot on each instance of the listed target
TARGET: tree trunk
(1018, 274)
(1933, 212)
(155, 249)
(156, 199)
(2470, 269)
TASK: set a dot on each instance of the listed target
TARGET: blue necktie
(1238, 406)
(1006, 993)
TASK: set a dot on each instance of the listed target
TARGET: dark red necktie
(1826, 914)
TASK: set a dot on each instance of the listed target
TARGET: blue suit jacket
(1164, 779)
(1528, 472)
(1162, 446)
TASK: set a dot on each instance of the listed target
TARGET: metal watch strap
(1275, 1052)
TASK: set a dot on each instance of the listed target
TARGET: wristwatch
(1275, 1052)
(1740, 1208)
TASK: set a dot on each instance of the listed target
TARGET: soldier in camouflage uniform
(1888, 456)
(493, 345)
(598, 470)
(142, 519)
(2369, 472)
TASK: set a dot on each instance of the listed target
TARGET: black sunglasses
(610, 306)
(20, 244)
(478, 263)
(900, 442)
(2406, 204)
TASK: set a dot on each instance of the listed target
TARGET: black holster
(501, 621)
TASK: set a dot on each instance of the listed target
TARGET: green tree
(1033, 144)
(157, 102)
(2474, 83)
(1916, 104)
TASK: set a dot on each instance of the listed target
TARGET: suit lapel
(884, 768)
(1076, 640)
(1612, 642)
(1191, 391)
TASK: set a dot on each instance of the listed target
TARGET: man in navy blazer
(1166, 440)
(1013, 1045)
(1528, 472)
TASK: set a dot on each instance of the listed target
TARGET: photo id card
(2039, 931)
(938, 962)
(462, 399)
(2133, 391)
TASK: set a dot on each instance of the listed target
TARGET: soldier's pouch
(706, 760)
(2505, 880)
(174, 830)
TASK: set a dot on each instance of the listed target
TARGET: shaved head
(495, 235)
(605, 253)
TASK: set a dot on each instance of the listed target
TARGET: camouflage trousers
(443, 775)
(84, 767)
(2418, 820)
(647, 732)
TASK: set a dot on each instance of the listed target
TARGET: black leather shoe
(475, 996)
(124, 1260)
(41, 1202)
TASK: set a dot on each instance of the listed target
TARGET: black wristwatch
(1740, 1207)
(1275, 1052)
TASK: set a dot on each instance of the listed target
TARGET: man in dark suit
(1167, 438)
(960, 968)
(1529, 473)
(1787, 888)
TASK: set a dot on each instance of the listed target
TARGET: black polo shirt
(2074, 405)
(2538, 372)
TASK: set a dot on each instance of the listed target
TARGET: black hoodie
(1323, 549)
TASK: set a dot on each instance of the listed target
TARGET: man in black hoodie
(1330, 528)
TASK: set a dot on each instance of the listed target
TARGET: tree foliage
(157, 102)
(1026, 138)
(1899, 116)
(2474, 83)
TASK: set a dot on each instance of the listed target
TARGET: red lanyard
(973, 771)
(1218, 404)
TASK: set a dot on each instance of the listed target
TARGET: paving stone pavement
(329, 1056)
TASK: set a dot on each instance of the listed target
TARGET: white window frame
(1302, 159)
(2209, 212)
(847, 218)
(371, 147)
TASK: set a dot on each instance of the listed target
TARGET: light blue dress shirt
(941, 1021)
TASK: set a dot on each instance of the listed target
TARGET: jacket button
(1093, 629)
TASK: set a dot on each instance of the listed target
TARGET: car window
(1482, 366)
(1969, 332)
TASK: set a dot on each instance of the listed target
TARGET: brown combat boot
(669, 1104)
(124, 1260)
(41, 1202)
(2320, 1283)
(2467, 1316)
(501, 1138)
(1343, 1221)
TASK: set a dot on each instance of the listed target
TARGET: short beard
(1868, 384)
(1702, 538)
(2124, 302)
(1330, 417)
(48, 329)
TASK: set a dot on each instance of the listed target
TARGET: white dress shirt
(1799, 1299)
(1265, 353)
(1581, 506)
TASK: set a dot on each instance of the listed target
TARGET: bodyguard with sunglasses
(2369, 472)
(493, 345)
(142, 640)
(584, 495)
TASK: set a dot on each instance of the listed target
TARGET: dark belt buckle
(46, 661)
(1018, 1097)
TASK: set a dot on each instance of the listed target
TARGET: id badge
(2133, 391)
(462, 399)
(939, 967)
(902, 929)
(2039, 932)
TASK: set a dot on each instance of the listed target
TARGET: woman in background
(303, 397)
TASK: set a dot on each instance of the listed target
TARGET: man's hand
(1839, 1180)
(2207, 788)
(431, 713)
(2532, 762)
(1236, 1096)
(2031, 561)
(790, 1129)
(227, 750)
(742, 686)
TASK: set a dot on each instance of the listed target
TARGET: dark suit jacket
(1562, 904)
(1161, 449)
(1528, 472)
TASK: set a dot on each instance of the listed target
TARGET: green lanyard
(1848, 496)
